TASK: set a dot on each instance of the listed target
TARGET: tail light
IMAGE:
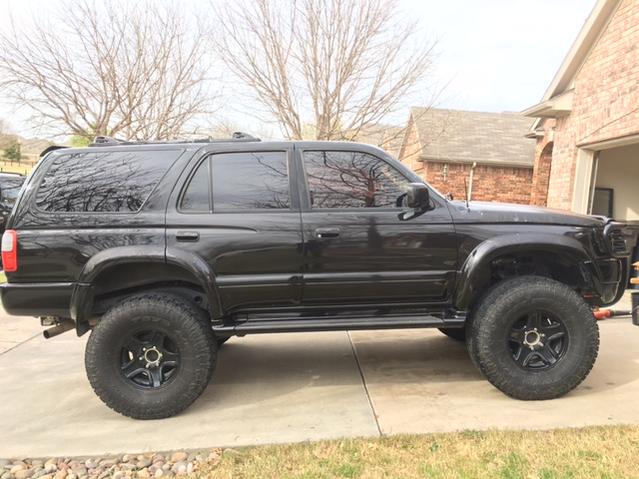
(10, 250)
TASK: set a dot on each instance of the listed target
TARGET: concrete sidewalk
(296, 387)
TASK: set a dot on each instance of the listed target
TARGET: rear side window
(249, 181)
(109, 182)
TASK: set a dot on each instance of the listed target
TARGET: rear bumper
(37, 299)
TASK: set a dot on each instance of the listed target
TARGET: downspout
(470, 181)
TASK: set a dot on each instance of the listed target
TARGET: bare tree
(327, 69)
(136, 70)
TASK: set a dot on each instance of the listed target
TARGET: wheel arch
(125, 270)
(560, 257)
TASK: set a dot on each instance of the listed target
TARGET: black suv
(164, 251)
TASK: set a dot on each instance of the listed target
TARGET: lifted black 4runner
(165, 250)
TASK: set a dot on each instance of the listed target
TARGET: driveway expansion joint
(361, 374)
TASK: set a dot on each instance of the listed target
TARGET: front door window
(351, 179)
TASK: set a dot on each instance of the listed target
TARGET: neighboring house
(587, 127)
(442, 146)
(386, 137)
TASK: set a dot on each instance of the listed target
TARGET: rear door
(357, 250)
(239, 211)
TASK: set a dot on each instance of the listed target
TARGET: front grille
(617, 242)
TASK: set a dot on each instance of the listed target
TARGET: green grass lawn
(597, 452)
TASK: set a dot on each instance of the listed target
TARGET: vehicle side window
(197, 197)
(250, 180)
(351, 179)
(107, 181)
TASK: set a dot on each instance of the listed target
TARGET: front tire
(534, 338)
(150, 356)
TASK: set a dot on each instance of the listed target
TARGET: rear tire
(534, 338)
(458, 334)
(150, 356)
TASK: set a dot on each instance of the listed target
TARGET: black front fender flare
(474, 275)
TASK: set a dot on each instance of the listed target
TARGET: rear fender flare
(82, 295)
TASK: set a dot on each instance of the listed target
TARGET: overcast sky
(493, 55)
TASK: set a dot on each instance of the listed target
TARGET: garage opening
(616, 185)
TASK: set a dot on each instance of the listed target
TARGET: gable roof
(557, 100)
(458, 136)
(387, 137)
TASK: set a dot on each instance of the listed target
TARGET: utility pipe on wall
(470, 181)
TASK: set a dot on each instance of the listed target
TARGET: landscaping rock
(127, 466)
(179, 456)
(23, 473)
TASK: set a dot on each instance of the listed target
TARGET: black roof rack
(51, 148)
(108, 141)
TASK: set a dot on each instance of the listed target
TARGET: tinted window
(116, 181)
(197, 197)
(245, 181)
(345, 179)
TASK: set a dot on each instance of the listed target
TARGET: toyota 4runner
(164, 251)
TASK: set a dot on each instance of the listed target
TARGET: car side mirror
(418, 196)
(417, 199)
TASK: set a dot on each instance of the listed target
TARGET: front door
(357, 250)
(236, 211)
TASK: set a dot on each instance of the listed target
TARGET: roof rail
(238, 136)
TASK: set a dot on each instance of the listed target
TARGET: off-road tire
(193, 337)
(458, 334)
(493, 321)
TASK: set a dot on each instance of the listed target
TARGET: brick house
(587, 125)
(443, 145)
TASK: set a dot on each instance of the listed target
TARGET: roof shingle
(457, 136)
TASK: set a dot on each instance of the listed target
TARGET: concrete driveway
(295, 387)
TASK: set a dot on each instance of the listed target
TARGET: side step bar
(336, 324)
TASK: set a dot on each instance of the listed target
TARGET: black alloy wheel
(149, 359)
(538, 341)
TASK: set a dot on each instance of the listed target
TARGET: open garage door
(616, 185)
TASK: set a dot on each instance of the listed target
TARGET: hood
(484, 212)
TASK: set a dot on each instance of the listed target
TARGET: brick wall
(541, 172)
(503, 184)
(605, 102)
